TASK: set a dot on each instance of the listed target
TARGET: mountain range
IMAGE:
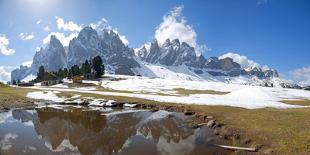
(172, 59)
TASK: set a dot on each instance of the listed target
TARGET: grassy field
(187, 92)
(14, 97)
(297, 102)
(285, 131)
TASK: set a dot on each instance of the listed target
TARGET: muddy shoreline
(233, 136)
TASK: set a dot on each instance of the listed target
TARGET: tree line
(90, 69)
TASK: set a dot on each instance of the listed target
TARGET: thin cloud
(64, 39)
(5, 73)
(38, 22)
(27, 63)
(26, 36)
(47, 29)
(4, 43)
(301, 75)
(67, 26)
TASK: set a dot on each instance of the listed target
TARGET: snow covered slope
(199, 92)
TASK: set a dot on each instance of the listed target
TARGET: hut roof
(49, 76)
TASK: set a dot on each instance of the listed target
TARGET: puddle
(80, 130)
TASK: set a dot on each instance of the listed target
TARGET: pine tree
(65, 72)
(86, 68)
(97, 66)
(70, 74)
(60, 74)
(40, 75)
(75, 70)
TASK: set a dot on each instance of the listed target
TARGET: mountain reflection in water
(84, 131)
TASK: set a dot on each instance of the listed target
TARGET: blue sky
(271, 32)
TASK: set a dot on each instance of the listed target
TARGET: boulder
(211, 123)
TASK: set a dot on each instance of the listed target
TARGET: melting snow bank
(45, 95)
(250, 97)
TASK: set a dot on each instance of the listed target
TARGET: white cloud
(67, 26)
(301, 75)
(174, 26)
(27, 63)
(38, 22)
(5, 73)
(65, 40)
(4, 42)
(26, 36)
(47, 29)
(243, 61)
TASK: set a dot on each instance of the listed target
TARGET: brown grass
(187, 92)
(14, 97)
(297, 102)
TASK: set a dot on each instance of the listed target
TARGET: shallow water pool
(80, 130)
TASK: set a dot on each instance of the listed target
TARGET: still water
(80, 130)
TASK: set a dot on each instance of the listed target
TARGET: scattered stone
(85, 103)
(269, 151)
(246, 141)
(216, 131)
(153, 110)
(168, 108)
(209, 117)
(257, 146)
(6, 108)
(218, 124)
(200, 115)
(151, 106)
(118, 104)
(198, 125)
(187, 113)
(211, 123)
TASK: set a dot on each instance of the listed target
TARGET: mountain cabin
(49, 79)
(77, 79)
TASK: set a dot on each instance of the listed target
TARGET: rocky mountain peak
(176, 42)
(120, 59)
(222, 64)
